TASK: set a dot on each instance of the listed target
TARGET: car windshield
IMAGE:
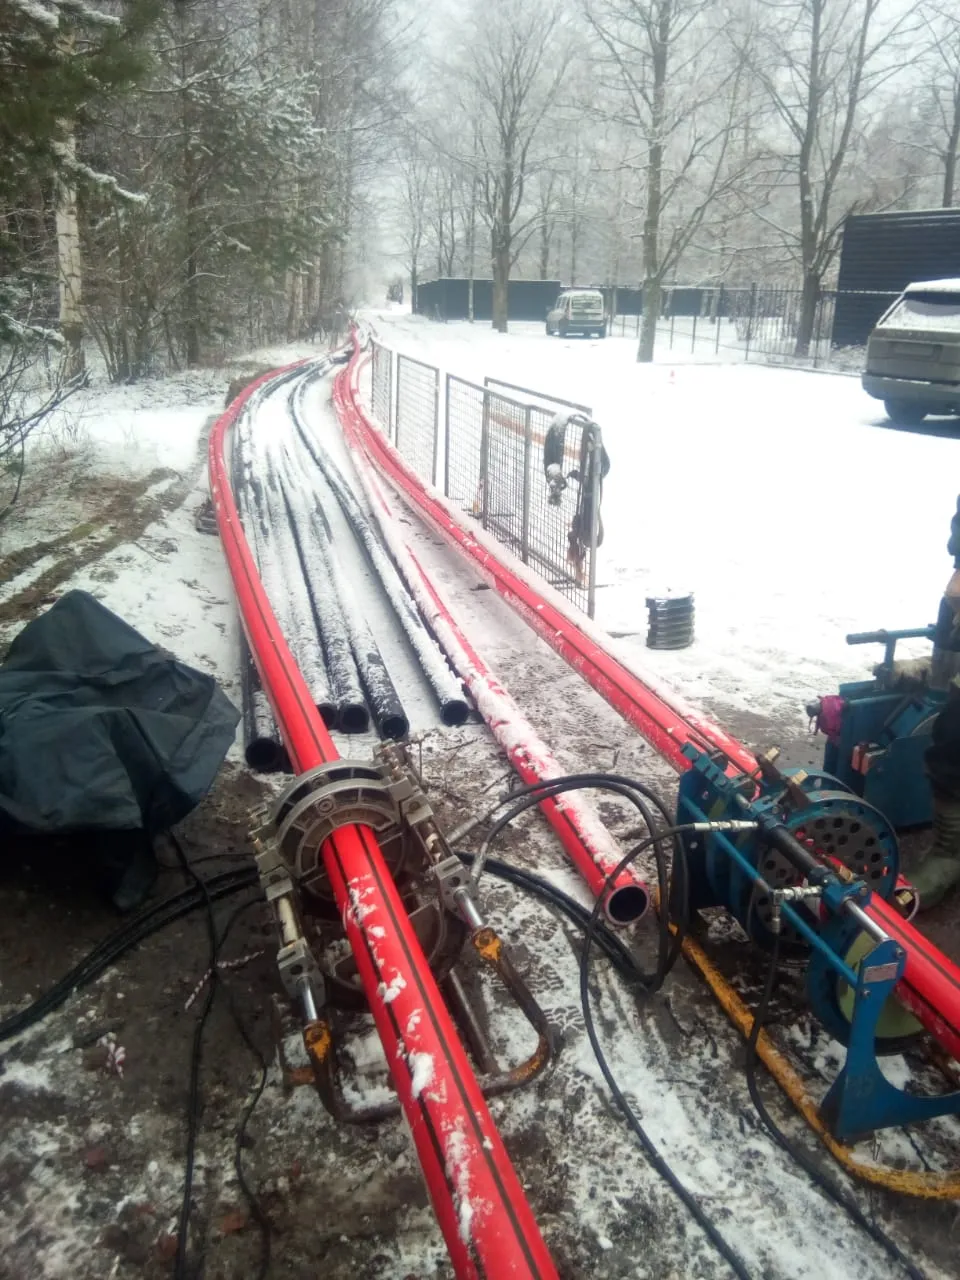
(932, 310)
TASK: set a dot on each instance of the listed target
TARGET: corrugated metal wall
(884, 252)
(448, 299)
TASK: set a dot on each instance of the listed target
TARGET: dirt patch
(125, 509)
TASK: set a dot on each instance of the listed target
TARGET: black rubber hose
(454, 707)
(656, 1160)
(637, 793)
(123, 940)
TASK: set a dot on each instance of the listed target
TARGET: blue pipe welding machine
(878, 731)
(798, 855)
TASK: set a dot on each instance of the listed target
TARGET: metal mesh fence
(765, 323)
(418, 393)
(463, 430)
(381, 393)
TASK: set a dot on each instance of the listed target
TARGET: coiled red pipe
(483, 1213)
(930, 987)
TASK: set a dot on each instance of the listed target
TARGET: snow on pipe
(480, 1205)
(930, 987)
(338, 613)
(587, 842)
(288, 590)
(269, 560)
(453, 706)
(351, 714)
(388, 712)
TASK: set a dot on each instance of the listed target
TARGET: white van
(578, 311)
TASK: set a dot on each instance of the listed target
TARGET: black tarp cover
(102, 731)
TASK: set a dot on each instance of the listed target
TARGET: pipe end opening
(454, 713)
(394, 726)
(328, 714)
(354, 718)
(627, 905)
(264, 755)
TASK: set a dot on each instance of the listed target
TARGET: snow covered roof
(935, 286)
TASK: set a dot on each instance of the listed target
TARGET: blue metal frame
(884, 720)
(724, 871)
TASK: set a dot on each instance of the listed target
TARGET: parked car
(913, 353)
(578, 311)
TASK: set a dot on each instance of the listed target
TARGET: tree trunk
(950, 160)
(191, 292)
(651, 313)
(808, 220)
(501, 284)
(809, 300)
(544, 250)
(69, 263)
(659, 47)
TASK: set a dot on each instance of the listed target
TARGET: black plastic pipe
(262, 748)
(388, 713)
(278, 563)
(454, 707)
(345, 686)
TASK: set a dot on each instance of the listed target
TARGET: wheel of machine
(904, 412)
(841, 828)
(602, 332)
(831, 999)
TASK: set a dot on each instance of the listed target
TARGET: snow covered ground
(731, 481)
(781, 498)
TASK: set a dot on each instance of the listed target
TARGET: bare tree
(413, 161)
(942, 23)
(27, 397)
(674, 82)
(547, 185)
(819, 62)
(515, 59)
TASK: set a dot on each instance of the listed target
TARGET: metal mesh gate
(493, 463)
(417, 407)
(494, 468)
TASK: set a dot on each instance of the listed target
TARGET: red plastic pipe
(930, 987)
(662, 718)
(587, 842)
(483, 1213)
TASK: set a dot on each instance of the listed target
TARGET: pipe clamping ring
(340, 794)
